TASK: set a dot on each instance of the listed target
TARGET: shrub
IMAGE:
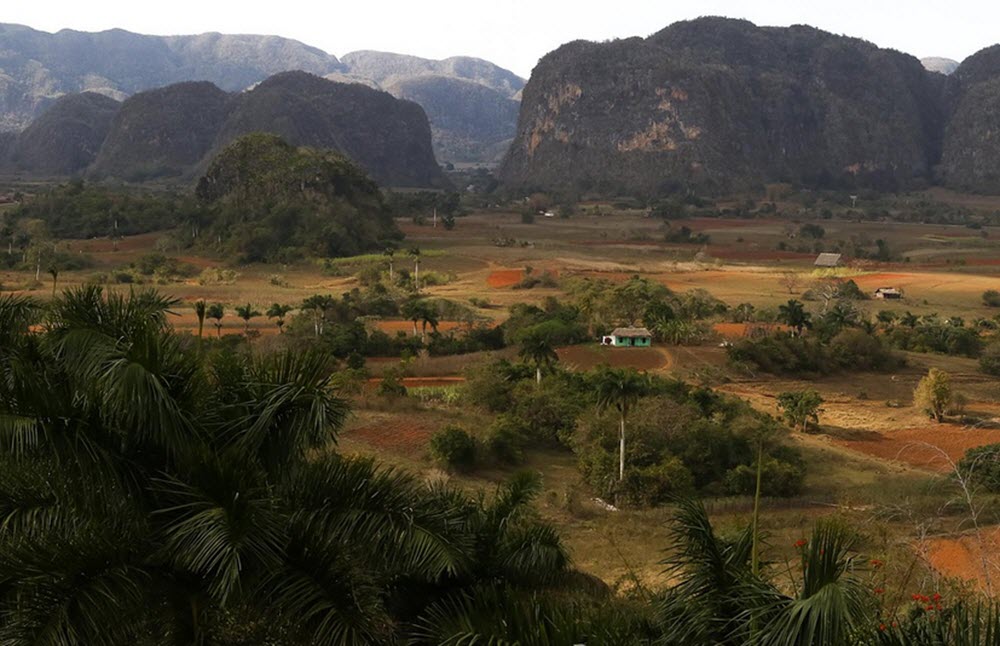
(454, 448)
(391, 385)
(779, 478)
(991, 298)
(989, 362)
(981, 465)
(933, 394)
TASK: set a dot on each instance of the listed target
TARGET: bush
(989, 362)
(391, 385)
(982, 466)
(991, 298)
(779, 478)
(454, 448)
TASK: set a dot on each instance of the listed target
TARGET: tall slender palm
(200, 310)
(620, 388)
(415, 254)
(319, 305)
(246, 312)
(216, 312)
(389, 252)
(412, 311)
(537, 349)
(54, 272)
(278, 312)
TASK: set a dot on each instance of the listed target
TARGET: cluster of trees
(672, 317)
(639, 440)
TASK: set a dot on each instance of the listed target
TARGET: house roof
(631, 332)
(887, 290)
(828, 260)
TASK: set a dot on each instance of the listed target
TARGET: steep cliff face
(388, 137)
(65, 140)
(722, 104)
(163, 132)
(971, 156)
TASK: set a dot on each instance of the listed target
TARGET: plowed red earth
(583, 357)
(925, 447)
(972, 557)
(393, 435)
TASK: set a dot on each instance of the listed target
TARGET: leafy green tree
(620, 388)
(278, 312)
(934, 394)
(318, 306)
(247, 312)
(794, 314)
(216, 312)
(799, 408)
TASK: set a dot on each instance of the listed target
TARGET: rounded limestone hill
(272, 201)
(66, 138)
(390, 138)
(163, 132)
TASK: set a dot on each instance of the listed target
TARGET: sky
(516, 33)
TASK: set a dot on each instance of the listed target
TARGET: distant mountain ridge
(172, 132)
(717, 105)
(36, 68)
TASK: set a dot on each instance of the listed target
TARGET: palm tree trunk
(538, 375)
(754, 554)
(621, 449)
(416, 275)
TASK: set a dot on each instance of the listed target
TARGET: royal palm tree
(389, 252)
(54, 272)
(620, 388)
(246, 312)
(537, 350)
(415, 254)
(319, 305)
(216, 311)
(794, 315)
(278, 312)
(200, 310)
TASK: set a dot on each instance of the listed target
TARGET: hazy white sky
(515, 33)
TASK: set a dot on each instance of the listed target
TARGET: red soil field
(393, 435)
(922, 447)
(504, 278)
(962, 557)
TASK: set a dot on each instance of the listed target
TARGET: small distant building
(828, 260)
(629, 337)
(888, 293)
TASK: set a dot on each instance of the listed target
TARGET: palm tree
(278, 312)
(389, 252)
(187, 491)
(54, 271)
(319, 305)
(411, 311)
(415, 254)
(246, 312)
(200, 310)
(538, 350)
(794, 314)
(428, 315)
(620, 388)
(215, 312)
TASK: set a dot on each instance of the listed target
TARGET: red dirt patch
(504, 278)
(922, 447)
(963, 557)
(393, 435)
(586, 357)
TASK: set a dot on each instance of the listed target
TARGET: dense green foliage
(277, 202)
(785, 353)
(78, 210)
(152, 497)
